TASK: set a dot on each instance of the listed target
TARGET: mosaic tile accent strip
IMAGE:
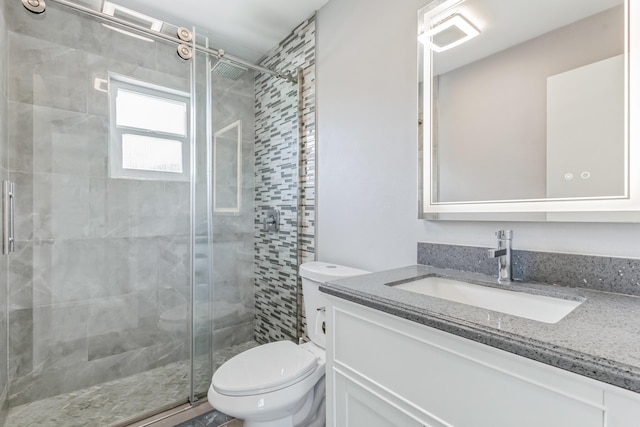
(620, 275)
(279, 143)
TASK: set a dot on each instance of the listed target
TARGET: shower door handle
(8, 225)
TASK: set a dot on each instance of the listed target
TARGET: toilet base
(288, 421)
(309, 412)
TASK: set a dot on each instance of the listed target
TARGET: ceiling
(245, 28)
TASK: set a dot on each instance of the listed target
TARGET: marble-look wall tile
(56, 380)
(174, 262)
(20, 336)
(20, 276)
(50, 140)
(88, 35)
(229, 107)
(62, 354)
(4, 374)
(41, 272)
(232, 292)
(90, 249)
(60, 323)
(24, 210)
(148, 303)
(158, 208)
(145, 334)
(69, 201)
(243, 86)
(89, 268)
(176, 201)
(4, 118)
(4, 113)
(3, 46)
(4, 300)
(78, 144)
(42, 213)
(47, 74)
(109, 208)
(100, 260)
(143, 264)
(233, 335)
(20, 135)
(112, 314)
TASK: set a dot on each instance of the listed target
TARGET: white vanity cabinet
(384, 370)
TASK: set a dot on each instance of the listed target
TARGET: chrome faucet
(503, 253)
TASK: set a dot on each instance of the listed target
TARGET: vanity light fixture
(449, 32)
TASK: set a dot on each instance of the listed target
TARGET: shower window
(149, 131)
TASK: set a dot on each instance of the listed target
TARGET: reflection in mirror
(227, 168)
(532, 108)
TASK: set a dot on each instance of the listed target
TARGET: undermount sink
(530, 306)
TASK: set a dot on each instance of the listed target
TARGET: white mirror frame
(625, 209)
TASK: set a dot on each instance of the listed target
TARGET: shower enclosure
(139, 180)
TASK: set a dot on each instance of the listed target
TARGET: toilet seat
(264, 369)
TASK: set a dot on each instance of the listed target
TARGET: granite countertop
(600, 339)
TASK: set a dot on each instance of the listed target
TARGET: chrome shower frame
(217, 53)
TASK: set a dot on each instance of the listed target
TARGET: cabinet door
(356, 406)
(457, 381)
(623, 409)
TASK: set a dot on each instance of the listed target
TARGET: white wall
(367, 150)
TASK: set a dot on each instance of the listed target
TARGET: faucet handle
(504, 234)
(497, 253)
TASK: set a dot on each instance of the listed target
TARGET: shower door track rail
(217, 53)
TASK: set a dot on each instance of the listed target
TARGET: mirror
(525, 110)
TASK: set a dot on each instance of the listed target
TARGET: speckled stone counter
(600, 339)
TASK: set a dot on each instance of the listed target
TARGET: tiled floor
(114, 402)
(187, 416)
(210, 419)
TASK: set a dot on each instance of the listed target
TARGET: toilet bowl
(282, 384)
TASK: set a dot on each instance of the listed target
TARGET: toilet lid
(263, 369)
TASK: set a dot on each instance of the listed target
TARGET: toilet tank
(312, 275)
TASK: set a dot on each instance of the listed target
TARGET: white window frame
(116, 132)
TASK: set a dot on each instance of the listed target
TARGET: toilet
(282, 384)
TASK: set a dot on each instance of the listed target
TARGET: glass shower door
(100, 283)
(249, 168)
(223, 286)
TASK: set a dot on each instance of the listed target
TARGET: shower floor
(114, 402)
